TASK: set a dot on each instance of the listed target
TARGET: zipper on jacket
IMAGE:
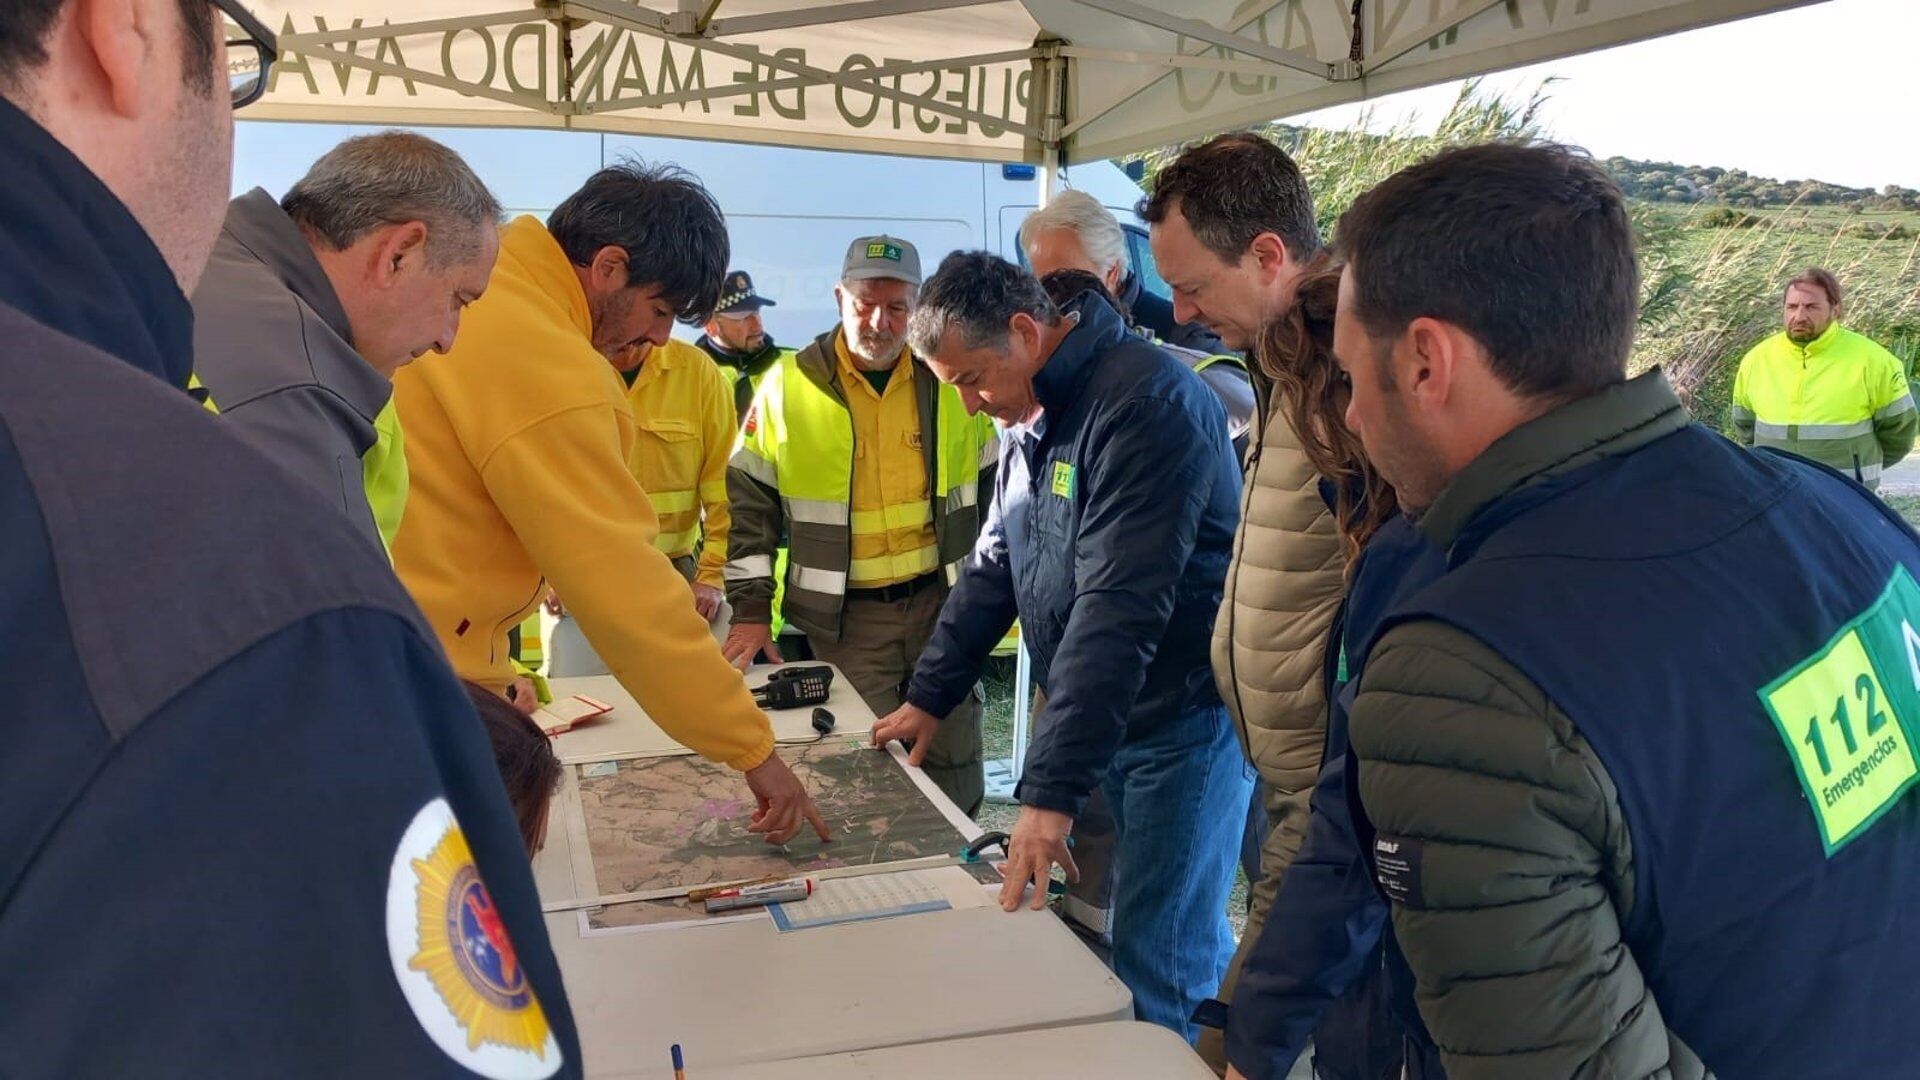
(500, 628)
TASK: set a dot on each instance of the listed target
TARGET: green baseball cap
(881, 257)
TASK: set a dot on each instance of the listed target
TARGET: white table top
(737, 991)
(1116, 1051)
(628, 732)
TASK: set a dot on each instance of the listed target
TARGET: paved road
(1902, 479)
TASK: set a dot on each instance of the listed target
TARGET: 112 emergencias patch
(1848, 713)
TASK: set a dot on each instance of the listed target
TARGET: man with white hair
(870, 467)
(311, 303)
(1074, 232)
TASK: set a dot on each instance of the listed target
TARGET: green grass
(1708, 293)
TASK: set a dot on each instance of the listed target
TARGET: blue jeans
(1179, 800)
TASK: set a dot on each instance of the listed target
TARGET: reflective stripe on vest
(1219, 358)
(802, 445)
(673, 502)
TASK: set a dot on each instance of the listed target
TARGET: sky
(1829, 91)
(1825, 92)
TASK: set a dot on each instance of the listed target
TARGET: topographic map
(681, 822)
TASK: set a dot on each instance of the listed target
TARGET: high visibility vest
(802, 445)
(1219, 358)
(384, 474)
(198, 391)
(1840, 399)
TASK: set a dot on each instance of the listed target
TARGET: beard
(1406, 458)
(1801, 333)
(604, 311)
(874, 346)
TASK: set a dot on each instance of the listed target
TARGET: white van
(790, 212)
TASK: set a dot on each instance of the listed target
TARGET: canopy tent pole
(1053, 125)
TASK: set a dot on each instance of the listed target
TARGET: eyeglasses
(249, 58)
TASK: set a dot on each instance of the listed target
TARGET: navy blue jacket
(249, 823)
(1321, 937)
(1732, 635)
(1108, 535)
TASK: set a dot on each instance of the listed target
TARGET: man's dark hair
(667, 223)
(25, 24)
(1065, 286)
(1526, 247)
(1814, 277)
(976, 293)
(1231, 189)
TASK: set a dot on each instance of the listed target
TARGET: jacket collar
(748, 363)
(820, 361)
(257, 223)
(1611, 423)
(536, 257)
(1818, 345)
(73, 257)
(1058, 383)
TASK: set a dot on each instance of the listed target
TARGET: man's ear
(1116, 275)
(608, 270)
(1431, 360)
(400, 247)
(1269, 254)
(125, 43)
(1026, 331)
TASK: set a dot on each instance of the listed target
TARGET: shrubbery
(1712, 275)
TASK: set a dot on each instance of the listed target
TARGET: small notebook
(566, 714)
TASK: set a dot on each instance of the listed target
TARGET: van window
(1140, 259)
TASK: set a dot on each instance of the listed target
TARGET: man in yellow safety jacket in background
(1819, 390)
(683, 413)
(871, 468)
(520, 442)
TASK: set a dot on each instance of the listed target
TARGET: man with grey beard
(870, 468)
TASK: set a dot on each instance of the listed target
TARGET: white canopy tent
(1045, 82)
(1037, 81)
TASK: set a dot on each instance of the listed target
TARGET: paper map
(681, 822)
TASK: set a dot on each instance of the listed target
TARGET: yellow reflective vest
(384, 473)
(794, 475)
(1840, 400)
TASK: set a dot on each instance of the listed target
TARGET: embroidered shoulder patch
(456, 965)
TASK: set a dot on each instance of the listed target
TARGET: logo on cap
(880, 249)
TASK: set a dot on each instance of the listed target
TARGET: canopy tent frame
(1381, 37)
(1362, 49)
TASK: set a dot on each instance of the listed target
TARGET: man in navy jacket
(249, 823)
(1109, 534)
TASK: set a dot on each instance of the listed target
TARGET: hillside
(1715, 243)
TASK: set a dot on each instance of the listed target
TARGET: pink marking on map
(713, 809)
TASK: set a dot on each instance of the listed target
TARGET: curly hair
(1295, 350)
